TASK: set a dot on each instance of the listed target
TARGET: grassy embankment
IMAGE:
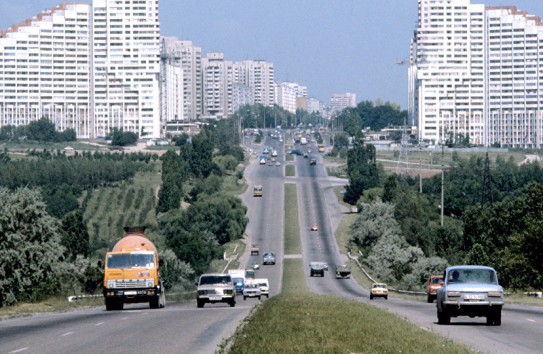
(298, 322)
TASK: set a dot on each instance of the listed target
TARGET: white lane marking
(124, 318)
(19, 350)
(100, 323)
(66, 334)
(530, 320)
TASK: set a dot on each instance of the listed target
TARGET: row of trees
(259, 116)
(490, 218)
(194, 175)
(42, 130)
(491, 211)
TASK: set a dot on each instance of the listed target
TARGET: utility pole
(420, 167)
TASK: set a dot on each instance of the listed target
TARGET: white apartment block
(340, 101)
(217, 86)
(286, 94)
(187, 57)
(44, 70)
(259, 76)
(241, 95)
(126, 66)
(475, 72)
(172, 88)
(90, 68)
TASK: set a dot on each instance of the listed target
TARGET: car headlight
(111, 284)
(453, 293)
(495, 294)
(149, 283)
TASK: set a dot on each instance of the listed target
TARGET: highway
(182, 328)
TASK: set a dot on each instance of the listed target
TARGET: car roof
(468, 267)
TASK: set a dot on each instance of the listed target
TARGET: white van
(264, 286)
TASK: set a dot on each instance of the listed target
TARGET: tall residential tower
(477, 72)
(90, 68)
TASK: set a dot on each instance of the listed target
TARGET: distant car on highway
(379, 290)
(434, 284)
(268, 258)
(314, 227)
(251, 289)
(254, 249)
(313, 162)
(470, 290)
(278, 163)
(317, 268)
(295, 152)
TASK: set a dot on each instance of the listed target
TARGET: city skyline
(326, 47)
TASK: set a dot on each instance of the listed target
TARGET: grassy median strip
(294, 278)
(290, 171)
(325, 324)
(292, 225)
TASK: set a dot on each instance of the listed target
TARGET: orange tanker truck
(131, 272)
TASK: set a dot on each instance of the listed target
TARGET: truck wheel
(371, 297)
(429, 299)
(233, 303)
(386, 297)
(199, 303)
(443, 317)
(110, 304)
(259, 298)
(154, 303)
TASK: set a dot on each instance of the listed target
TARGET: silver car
(470, 291)
(268, 258)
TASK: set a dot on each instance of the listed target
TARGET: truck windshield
(131, 260)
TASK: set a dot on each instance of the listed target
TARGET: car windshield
(472, 275)
(215, 279)
(379, 286)
(437, 281)
(131, 260)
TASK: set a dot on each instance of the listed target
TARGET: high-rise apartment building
(340, 101)
(286, 94)
(126, 66)
(45, 70)
(217, 86)
(89, 68)
(187, 57)
(259, 76)
(475, 73)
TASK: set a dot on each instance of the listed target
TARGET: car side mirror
(99, 264)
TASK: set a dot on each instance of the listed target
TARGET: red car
(434, 284)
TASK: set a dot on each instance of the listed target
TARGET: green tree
(30, 245)
(362, 171)
(75, 237)
(42, 130)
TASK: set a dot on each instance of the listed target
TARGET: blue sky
(330, 46)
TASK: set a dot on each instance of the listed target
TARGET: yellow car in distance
(379, 290)
(258, 191)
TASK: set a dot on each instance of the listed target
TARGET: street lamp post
(442, 183)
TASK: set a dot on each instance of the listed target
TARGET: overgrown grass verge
(290, 171)
(53, 304)
(292, 225)
(323, 324)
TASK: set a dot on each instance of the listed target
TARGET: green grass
(292, 225)
(324, 324)
(290, 171)
(53, 304)
(109, 209)
(292, 273)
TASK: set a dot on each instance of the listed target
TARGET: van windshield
(131, 260)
